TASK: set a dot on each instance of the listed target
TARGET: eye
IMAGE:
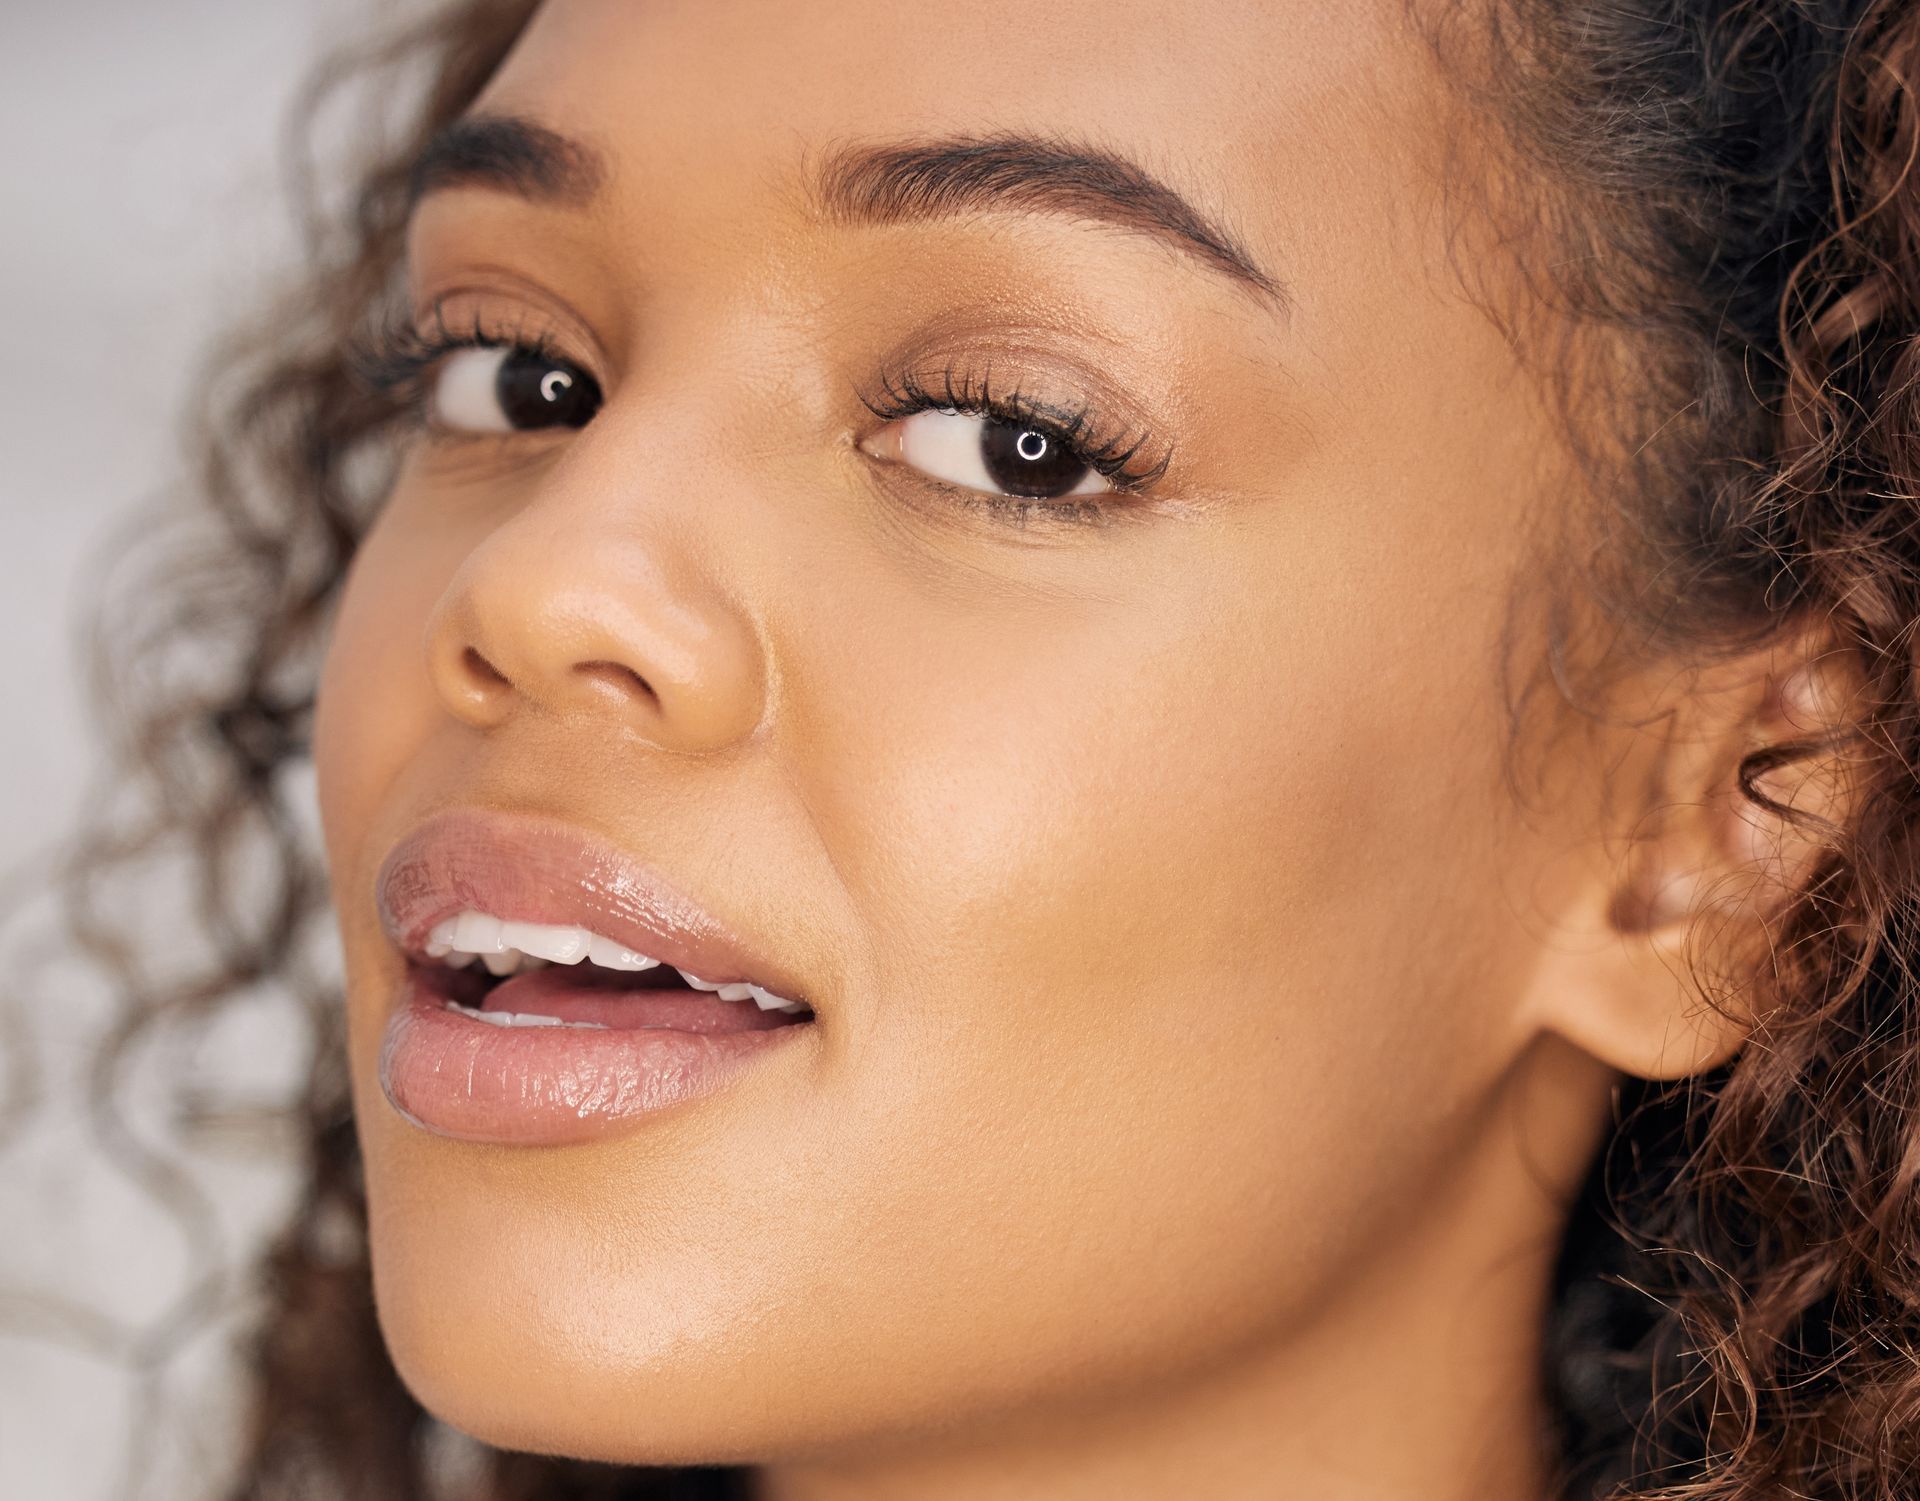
(502, 388)
(992, 454)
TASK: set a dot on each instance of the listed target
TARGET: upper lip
(539, 870)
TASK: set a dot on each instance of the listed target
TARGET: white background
(139, 212)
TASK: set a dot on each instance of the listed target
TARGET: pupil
(1025, 461)
(535, 390)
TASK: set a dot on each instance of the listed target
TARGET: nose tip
(531, 627)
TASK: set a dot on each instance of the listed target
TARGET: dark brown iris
(536, 390)
(1028, 462)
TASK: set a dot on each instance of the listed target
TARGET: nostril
(620, 677)
(482, 669)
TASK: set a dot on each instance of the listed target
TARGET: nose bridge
(589, 601)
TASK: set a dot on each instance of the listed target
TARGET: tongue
(586, 993)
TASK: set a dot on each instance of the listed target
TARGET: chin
(631, 1378)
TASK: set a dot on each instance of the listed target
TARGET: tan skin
(1207, 1040)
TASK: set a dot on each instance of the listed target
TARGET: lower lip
(548, 1086)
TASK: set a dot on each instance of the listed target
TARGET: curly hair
(1728, 199)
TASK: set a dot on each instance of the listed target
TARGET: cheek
(1185, 957)
(375, 706)
(375, 714)
(1232, 793)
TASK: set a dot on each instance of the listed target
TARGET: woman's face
(1141, 843)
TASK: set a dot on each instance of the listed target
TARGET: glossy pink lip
(537, 870)
(459, 1076)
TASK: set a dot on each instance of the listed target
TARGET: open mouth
(558, 988)
(522, 974)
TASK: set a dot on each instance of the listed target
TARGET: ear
(1662, 935)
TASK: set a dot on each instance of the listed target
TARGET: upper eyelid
(519, 334)
(508, 308)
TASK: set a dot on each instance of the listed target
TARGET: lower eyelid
(962, 505)
(947, 502)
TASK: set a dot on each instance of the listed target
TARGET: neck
(1419, 1379)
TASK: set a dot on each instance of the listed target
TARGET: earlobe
(1635, 994)
(1659, 958)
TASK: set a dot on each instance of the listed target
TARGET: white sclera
(466, 393)
(946, 445)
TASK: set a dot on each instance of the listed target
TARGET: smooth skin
(1210, 1032)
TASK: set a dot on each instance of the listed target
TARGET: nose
(557, 613)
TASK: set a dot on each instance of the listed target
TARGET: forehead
(1256, 110)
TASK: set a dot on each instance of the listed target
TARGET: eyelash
(394, 360)
(1129, 461)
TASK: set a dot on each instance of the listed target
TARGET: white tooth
(766, 1000)
(735, 992)
(477, 933)
(611, 955)
(439, 950)
(501, 964)
(520, 1018)
(442, 933)
(699, 984)
(533, 961)
(457, 959)
(555, 941)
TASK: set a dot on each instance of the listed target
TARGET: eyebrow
(886, 184)
(988, 174)
(510, 155)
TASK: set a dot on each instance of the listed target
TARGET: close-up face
(1006, 532)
